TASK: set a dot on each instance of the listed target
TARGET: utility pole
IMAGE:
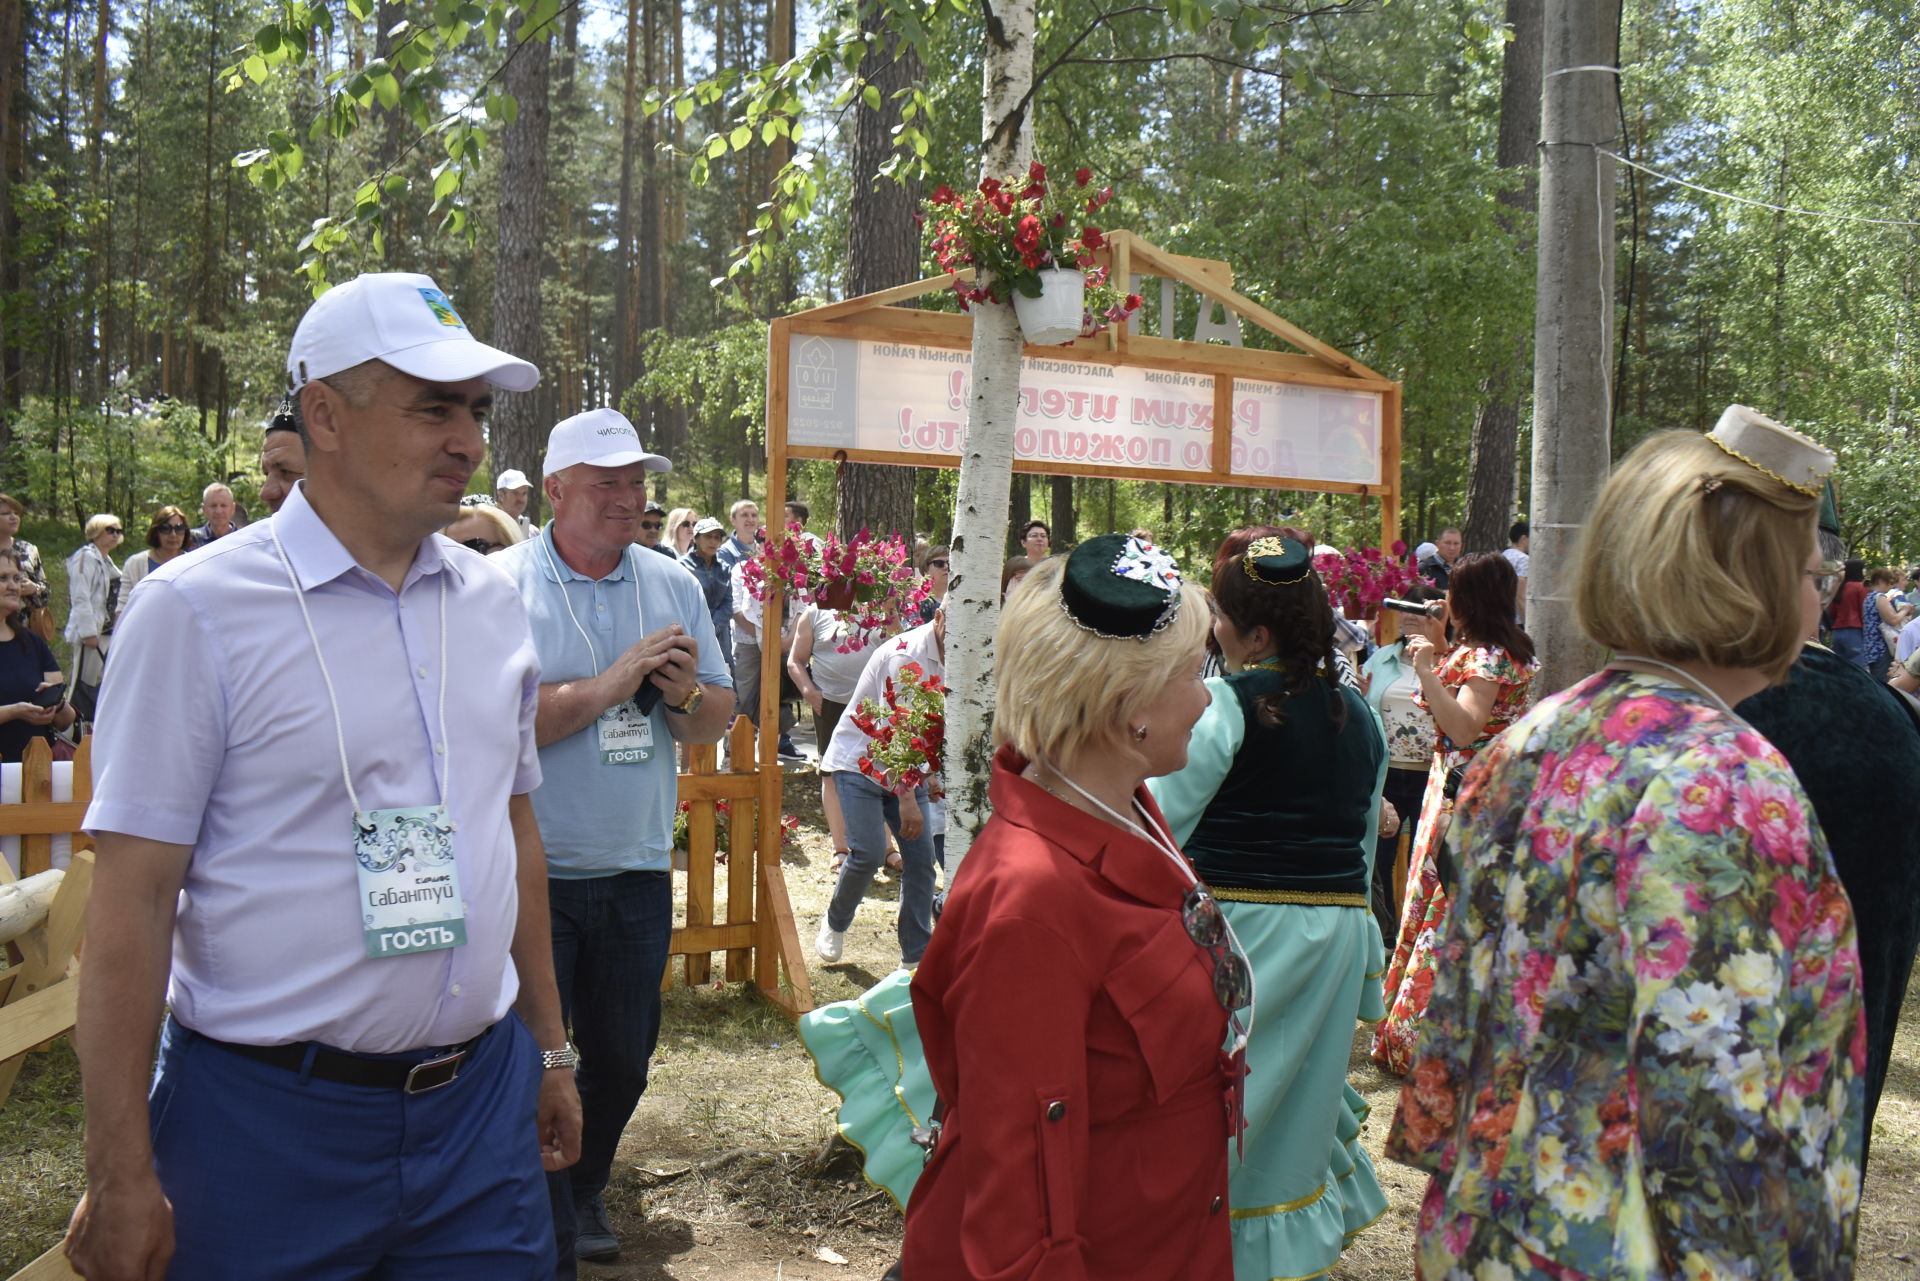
(1573, 322)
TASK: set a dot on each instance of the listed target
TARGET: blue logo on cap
(442, 308)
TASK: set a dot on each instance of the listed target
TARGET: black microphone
(1427, 608)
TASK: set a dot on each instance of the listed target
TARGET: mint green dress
(1292, 873)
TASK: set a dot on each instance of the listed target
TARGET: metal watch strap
(692, 703)
(564, 1057)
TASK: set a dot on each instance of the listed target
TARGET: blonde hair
(674, 519)
(506, 530)
(1692, 554)
(1060, 686)
(97, 524)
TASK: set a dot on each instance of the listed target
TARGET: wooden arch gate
(865, 380)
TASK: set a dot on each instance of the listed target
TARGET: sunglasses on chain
(1206, 925)
(485, 546)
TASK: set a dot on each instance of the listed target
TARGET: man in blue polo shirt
(629, 665)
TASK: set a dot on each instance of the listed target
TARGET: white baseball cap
(402, 319)
(708, 525)
(512, 478)
(599, 438)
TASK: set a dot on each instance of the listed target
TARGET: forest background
(173, 187)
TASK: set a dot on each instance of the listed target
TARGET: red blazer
(1070, 1025)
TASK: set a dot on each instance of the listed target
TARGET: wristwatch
(564, 1057)
(692, 704)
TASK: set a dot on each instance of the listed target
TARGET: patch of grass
(41, 1168)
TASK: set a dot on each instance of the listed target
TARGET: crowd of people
(399, 896)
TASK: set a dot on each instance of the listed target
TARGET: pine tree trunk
(1061, 519)
(626, 336)
(986, 464)
(883, 249)
(13, 159)
(518, 432)
(1496, 428)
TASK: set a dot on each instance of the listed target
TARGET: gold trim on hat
(1811, 491)
(1271, 546)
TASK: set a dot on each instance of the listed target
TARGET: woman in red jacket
(1075, 999)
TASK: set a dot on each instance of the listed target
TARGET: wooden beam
(700, 851)
(34, 1018)
(696, 941)
(735, 786)
(51, 1266)
(1244, 306)
(1097, 470)
(743, 861)
(881, 297)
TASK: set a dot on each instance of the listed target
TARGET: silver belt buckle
(438, 1072)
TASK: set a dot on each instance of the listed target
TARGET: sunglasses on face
(650, 524)
(112, 529)
(485, 546)
(169, 529)
(1207, 926)
(1824, 580)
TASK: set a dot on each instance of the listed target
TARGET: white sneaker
(829, 942)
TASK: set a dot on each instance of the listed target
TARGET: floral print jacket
(1644, 1048)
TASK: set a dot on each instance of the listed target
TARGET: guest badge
(409, 888)
(626, 735)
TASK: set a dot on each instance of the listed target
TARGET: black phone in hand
(51, 696)
(647, 697)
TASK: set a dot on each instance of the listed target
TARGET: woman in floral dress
(1642, 1054)
(1474, 693)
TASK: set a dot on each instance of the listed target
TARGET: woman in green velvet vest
(1277, 808)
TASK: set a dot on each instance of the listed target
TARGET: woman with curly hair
(1277, 808)
(1643, 1052)
(1474, 693)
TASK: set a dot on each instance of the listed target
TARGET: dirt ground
(730, 1171)
(727, 1171)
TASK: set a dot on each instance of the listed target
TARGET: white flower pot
(1056, 315)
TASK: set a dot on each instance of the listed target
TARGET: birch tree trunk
(1573, 325)
(986, 462)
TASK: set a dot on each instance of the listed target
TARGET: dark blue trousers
(276, 1174)
(610, 940)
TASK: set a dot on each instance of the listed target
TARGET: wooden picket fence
(38, 989)
(759, 935)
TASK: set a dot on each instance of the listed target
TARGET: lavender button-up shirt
(215, 732)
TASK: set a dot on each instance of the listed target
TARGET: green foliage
(77, 463)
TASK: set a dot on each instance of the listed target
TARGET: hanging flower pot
(835, 594)
(1059, 312)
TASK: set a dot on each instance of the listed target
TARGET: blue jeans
(610, 940)
(1850, 643)
(866, 806)
(275, 1173)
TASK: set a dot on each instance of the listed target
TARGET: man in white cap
(512, 491)
(364, 1069)
(629, 666)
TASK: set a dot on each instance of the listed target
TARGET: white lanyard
(444, 749)
(593, 655)
(1161, 839)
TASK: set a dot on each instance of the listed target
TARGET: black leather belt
(411, 1076)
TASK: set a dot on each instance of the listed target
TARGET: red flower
(944, 195)
(1133, 302)
(1026, 237)
(1037, 171)
(1092, 237)
(1081, 177)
